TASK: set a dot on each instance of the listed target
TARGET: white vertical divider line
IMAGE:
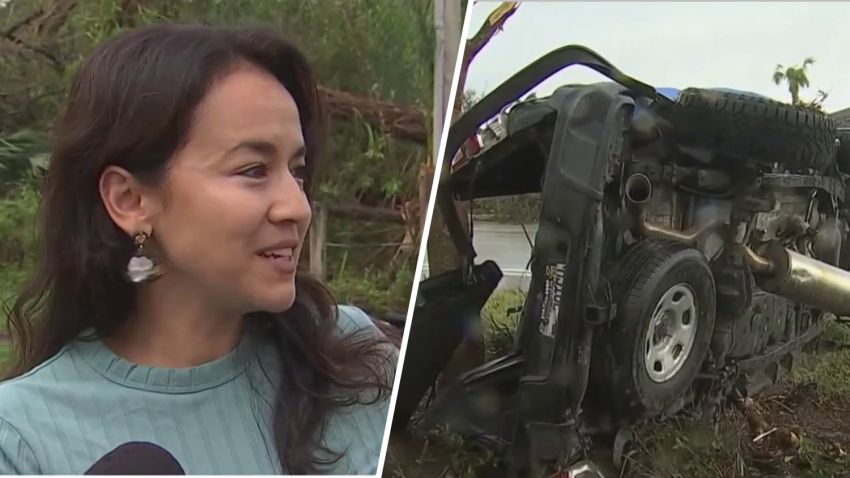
(440, 17)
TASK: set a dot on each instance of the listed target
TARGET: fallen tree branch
(365, 213)
(402, 122)
(47, 23)
(53, 59)
(12, 30)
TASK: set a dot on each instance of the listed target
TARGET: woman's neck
(175, 327)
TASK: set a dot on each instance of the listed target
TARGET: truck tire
(656, 275)
(753, 128)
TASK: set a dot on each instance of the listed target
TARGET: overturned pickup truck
(689, 245)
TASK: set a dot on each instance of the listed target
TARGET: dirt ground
(788, 432)
(799, 428)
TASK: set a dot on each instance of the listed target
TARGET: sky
(727, 45)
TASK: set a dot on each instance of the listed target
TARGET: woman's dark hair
(131, 104)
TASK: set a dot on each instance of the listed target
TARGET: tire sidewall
(686, 267)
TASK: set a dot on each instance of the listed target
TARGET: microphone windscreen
(137, 458)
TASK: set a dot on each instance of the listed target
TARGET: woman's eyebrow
(267, 148)
(263, 147)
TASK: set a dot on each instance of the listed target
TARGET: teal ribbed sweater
(67, 413)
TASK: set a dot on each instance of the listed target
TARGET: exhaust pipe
(800, 278)
(777, 270)
(638, 190)
(638, 193)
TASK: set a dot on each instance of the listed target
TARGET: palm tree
(796, 77)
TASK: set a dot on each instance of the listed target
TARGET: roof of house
(842, 117)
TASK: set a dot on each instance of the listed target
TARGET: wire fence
(319, 244)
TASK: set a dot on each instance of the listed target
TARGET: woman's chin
(278, 300)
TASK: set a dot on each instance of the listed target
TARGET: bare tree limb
(494, 24)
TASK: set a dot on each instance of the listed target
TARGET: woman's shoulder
(358, 429)
(351, 319)
(30, 404)
(20, 389)
(52, 385)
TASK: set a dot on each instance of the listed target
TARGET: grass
(831, 371)
(800, 429)
(500, 319)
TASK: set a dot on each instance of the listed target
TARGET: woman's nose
(290, 202)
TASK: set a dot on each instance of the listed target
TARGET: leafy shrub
(17, 240)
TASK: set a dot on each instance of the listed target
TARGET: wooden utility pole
(448, 24)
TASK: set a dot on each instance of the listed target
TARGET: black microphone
(137, 458)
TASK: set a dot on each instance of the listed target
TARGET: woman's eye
(255, 172)
(300, 174)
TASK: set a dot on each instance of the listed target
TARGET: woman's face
(231, 217)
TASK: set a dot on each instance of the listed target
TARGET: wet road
(507, 245)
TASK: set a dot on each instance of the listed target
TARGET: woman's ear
(126, 200)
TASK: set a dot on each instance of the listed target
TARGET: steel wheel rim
(671, 333)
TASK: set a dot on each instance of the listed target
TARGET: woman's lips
(281, 260)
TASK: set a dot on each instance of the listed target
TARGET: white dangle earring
(142, 268)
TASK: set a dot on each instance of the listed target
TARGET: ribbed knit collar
(163, 379)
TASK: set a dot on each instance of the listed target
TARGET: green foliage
(23, 157)
(17, 223)
(377, 48)
(797, 79)
(522, 209)
(376, 288)
(17, 247)
(500, 319)
(831, 371)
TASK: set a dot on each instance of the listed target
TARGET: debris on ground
(799, 429)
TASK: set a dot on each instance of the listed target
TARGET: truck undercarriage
(686, 250)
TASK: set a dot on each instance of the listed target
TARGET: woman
(166, 307)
